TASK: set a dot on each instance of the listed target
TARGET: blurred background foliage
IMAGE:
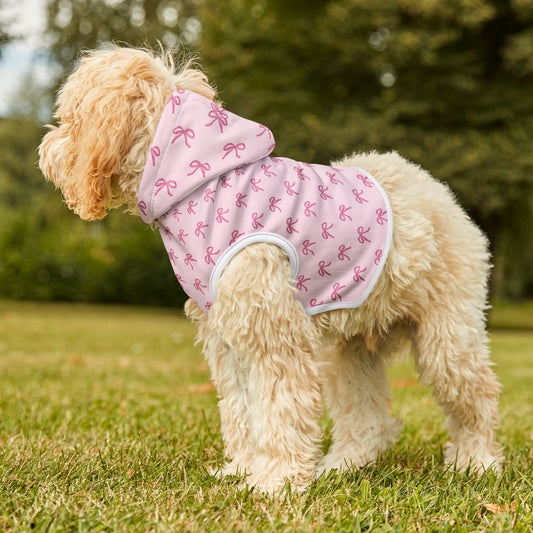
(446, 84)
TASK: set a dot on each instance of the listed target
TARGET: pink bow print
(255, 185)
(267, 172)
(306, 249)
(230, 147)
(220, 215)
(274, 204)
(172, 255)
(176, 100)
(218, 115)
(337, 287)
(322, 265)
(234, 236)
(197, 165)
(343, 212)
(255, 220)
(324, 192)
(342, 255)
(239, 200)
(154, 152)
(332, 178)
(325, 230)
(289, 188)
(238, 170)
(199, 286)
(362, 234)
(308, 211)
(302, 280)
(379, 254)
(359, 196)
(365, 180)
(190, 209)
(357, 271)
(264, 130)
(381, 216)
(142, 207)
(210, 254)
(300, 173)
(187, 134)
(189, 260)
(290, 226)
(208, 195)
(200, 229)
(162, 183)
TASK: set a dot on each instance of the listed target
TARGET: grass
(108, 423)
(512, 316)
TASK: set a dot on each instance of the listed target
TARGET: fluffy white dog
(303, 278)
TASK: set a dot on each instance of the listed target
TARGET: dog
(410, 268)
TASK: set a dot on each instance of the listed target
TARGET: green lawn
(108, 423)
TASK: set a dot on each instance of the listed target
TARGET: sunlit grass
(108, 423)
(512, 316)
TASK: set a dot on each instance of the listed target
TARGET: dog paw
(473, 458)
(345, 461)
(232, 468)
(278, 487)
(351, 452)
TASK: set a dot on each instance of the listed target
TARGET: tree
(5, 36)
(447, 84)
(75, 25)
(46, 252)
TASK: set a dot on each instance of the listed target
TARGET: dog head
(107, 113)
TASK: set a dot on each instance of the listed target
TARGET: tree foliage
(3, 38)
(75, 25)
(48, 253)
(5, 35)
(447, 84)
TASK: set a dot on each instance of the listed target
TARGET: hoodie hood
(195, 142)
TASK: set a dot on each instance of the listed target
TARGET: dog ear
(83, 153)
(101, 138)
(107, 113)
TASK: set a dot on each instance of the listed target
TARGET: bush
(118, 260)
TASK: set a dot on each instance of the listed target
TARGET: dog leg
(231, 381)
(257, 316)
(357, 394)
(451, 354)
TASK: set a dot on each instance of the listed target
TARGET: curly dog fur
(270, 361)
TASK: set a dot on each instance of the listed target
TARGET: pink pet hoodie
(213, 190)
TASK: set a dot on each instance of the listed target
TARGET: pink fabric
(213, 190)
